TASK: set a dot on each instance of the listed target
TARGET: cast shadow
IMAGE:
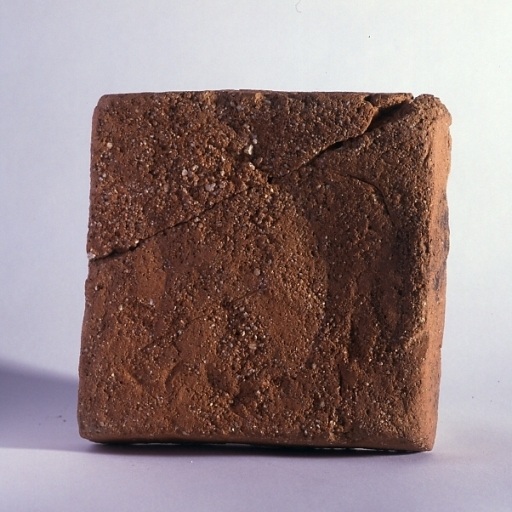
(233, 450)
(38, 411)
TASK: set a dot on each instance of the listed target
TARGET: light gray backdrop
(58, 57)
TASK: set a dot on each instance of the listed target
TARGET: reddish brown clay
(266, 268)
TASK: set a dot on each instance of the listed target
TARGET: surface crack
(376, 190)
(119, 251)
(381, 116)
(386, 115)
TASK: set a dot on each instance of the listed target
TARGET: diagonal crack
(116, 252)
(377, 190)
(381, 116)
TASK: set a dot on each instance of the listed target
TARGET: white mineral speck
(210, 187)
(184, 172)
(90, 255)
(110, 145)
(248, 149)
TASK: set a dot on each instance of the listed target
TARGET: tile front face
(266, 268)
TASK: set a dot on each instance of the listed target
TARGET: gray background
(58, 57)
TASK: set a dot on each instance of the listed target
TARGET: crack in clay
(117, 252)
(378, 193)
(386, 115)
(381, 116)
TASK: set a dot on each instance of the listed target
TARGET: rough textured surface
(266, 268)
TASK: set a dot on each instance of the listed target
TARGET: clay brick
(266, 268)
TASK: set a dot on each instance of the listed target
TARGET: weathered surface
(266, 268)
